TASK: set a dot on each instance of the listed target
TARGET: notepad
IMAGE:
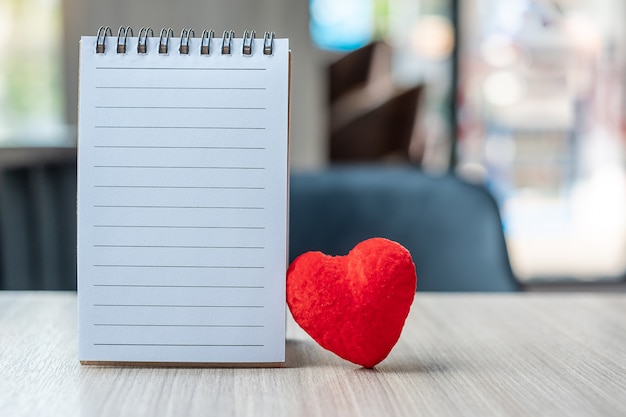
(182, 199)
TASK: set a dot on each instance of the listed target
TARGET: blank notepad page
(182, 203)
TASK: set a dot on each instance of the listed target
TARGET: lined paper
(182, 204)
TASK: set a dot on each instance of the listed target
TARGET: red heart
(354, 305)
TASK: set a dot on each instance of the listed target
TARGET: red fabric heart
(354, 305)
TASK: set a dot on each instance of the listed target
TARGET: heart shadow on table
(412, 366)
(307, 354)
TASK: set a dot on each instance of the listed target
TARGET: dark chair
(381, 133)
(38, 219)
(370, 118)
(452, 228)
(356, 69)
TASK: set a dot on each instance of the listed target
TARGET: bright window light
(31, 87)
(341, 25)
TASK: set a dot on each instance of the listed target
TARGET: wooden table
(459, 354)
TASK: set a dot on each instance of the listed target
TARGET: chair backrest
(38, 219)
(382, 132)
(354, 69)
(452, 229)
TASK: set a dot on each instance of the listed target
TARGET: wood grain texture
(459, 354)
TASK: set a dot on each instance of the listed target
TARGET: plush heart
(354, 305)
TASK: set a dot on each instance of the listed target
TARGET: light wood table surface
(459, 355)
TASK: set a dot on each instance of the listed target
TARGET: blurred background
(523, 96)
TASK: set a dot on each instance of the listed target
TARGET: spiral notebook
(182, 198)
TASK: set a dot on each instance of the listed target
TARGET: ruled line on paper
(179, 207)
(179, 247)
(132, 87)
(178, 306)
(178, 266)
(186, 187)
(180, 127)
(245, 168)
(158, 226)
(258, 326)
(255, 287)
(237, 148)
(180, 108)
(184, 68)
(173, 345)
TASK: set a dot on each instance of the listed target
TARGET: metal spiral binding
(248, 40)
(101, 38)
(205, 42)
(121, 42)
(268, 43)
(227, 41)
(164, 40)
(142, 40)
(185, 41)
(185, 34)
